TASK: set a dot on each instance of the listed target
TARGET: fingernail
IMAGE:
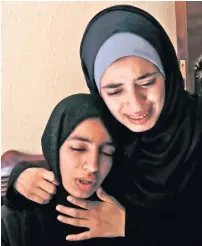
(59, 217)
(58, 208)
(69, 198)
(68, 238)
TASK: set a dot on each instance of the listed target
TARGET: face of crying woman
(86, 158)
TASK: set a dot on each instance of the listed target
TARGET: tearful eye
(148, 83)
(78, 149)
(108, 154)
(108, 151)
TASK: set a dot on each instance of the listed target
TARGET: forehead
(132, 63)
(92, 129)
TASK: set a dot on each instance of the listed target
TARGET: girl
(78, 149)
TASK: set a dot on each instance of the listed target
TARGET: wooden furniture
(8, 161)
(189, 38)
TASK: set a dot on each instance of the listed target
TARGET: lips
(90, 180)
(85, 184)
(139, 118)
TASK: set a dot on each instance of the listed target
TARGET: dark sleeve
(13, 198)
(149, 227)
(11, 222)
(180, 223)
(138, 227)
(4, 236)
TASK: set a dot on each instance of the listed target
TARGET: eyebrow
(146, 75)
(112, 85)
(116, 85)
(82, 139)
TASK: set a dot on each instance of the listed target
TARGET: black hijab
(65, 117)
(161, 162)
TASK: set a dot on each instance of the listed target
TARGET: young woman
(79, 150)
(129, 62)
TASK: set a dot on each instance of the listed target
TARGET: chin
(82, 195)
(140, 128)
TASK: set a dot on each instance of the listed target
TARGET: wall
(40, 61)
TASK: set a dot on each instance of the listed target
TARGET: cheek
(157, 96)
(105, 167)
(66, 173)
(161, 97)
(113, 104)
(67, 168)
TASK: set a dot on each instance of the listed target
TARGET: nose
(91, 162)
(136, 98)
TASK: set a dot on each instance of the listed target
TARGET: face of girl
(86, 158)
(134, 91)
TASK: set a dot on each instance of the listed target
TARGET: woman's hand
(36, 184)
(104, 219)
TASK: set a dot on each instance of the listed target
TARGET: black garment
(162, 166)
(37, 226)
(159, 177)
(32, 224)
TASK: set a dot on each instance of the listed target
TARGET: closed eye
(78, 149)
(114, 93)
(108, 151)
(148, 83)
(108, 154)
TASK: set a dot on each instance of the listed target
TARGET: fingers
(33, 186)
(74, 212)
(47, 186)
(104, 196)
(73, 221)
(80, 202)
(39, 196)
(37, 199)
(79, 237)
(49, 176)
(43, 194)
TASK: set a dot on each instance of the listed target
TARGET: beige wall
(40, 61)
